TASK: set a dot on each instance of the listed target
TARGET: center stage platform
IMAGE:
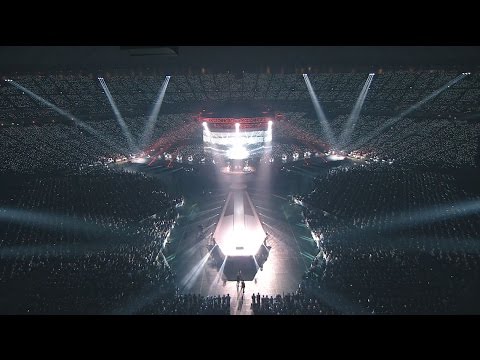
(239, 231)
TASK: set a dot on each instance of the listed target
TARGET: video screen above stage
(237, 138)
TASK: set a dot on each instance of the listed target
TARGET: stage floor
(290, 250)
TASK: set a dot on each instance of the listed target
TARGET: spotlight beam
(120, 120)
(219, 277)
(339, 302)
(419, 217)
(414, 107)
(78, 122)
(150, 124)
(349, 126)
(191, 277)
(320, 114)
(437, 213)
(49, 221)
(145, 297)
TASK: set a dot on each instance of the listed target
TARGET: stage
(239, 231)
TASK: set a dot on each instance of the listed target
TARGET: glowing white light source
(150, 124)
(237, 127)
(237, 152)
(62, 112)
(355, 113)
(240, 233)
(238, 246)
(327, 130)
(336, 157)
(392, 121)
(138, 160)
(116, 111)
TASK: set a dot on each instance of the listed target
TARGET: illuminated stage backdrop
(236, 138)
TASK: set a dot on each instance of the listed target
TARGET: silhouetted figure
(243, 286)
(258, 298)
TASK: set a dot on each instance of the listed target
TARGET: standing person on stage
(243, 287)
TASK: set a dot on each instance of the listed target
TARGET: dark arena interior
(239, 180)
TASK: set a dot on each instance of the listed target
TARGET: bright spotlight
(355, 113)
(372, 74)
(327, 130)
(395, 119)
(237, 152)
(62, 112)
(270, 122)
(237, 127)
(150, 124)
(206, 131)
(336, 157)
(116, 111)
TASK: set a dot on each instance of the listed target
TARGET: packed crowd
(300, 302)
(82, 243)
(104, 231)
(52, 147)
(189, 304)
(409, 141)
(446, 118)
(392, 90)
(413, 229)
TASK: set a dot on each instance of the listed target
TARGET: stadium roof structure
(182, 59)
